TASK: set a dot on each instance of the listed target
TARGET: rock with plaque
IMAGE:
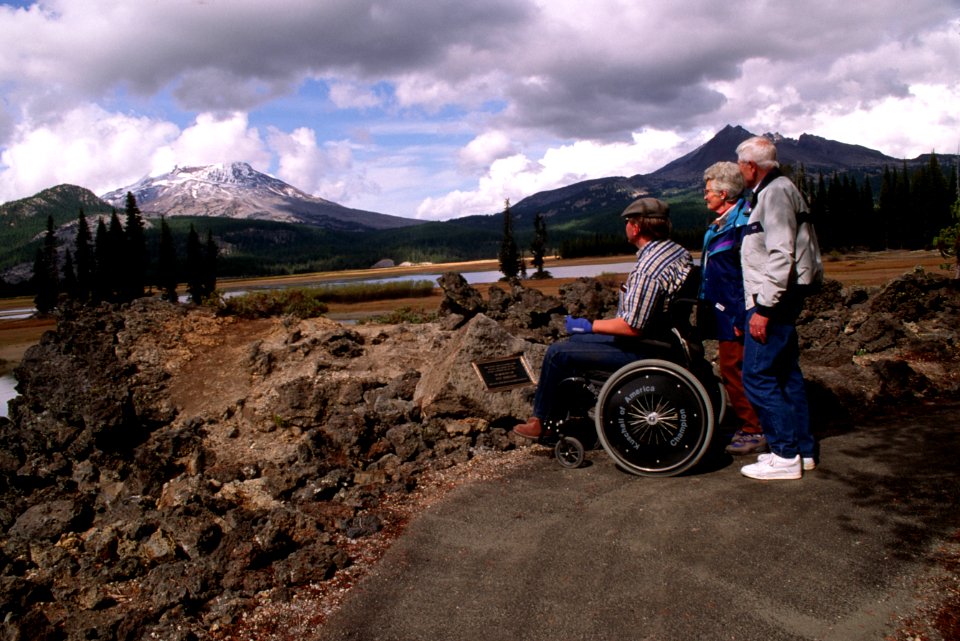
(504, 373)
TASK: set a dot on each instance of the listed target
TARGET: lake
(16, 314)
(489, 276)
(7, 392)
(492, 276)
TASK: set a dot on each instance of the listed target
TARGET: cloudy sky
(436, 109)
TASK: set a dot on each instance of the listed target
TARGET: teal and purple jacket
(721, 284)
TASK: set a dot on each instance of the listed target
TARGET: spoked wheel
(654, 418)
(721, 401)
(569, 452)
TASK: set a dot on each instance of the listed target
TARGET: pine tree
(538, 246)
(912, 235)
(850, 209)
(829, 226)
(46, 281)
(868, 218)
(210, 253)
(509, 254)
(195, 267)
(84, 262)
(113, 260)
(68, 285)
(167, 263)
(939, 198)
(100, 290)
(886, 206)
(134, 251)
(818, 204)
(948, 240)
(953, 186)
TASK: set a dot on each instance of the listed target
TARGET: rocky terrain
(166, 469)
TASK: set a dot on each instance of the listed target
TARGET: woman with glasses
(721, 290)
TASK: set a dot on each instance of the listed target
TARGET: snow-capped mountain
(237, 190)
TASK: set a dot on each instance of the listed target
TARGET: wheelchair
(655, 416)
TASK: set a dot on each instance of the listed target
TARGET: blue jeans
(575, 356)
(774, 384)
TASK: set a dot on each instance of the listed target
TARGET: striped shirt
(662, 267)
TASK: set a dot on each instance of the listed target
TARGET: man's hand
(578, 325)
(758, 328)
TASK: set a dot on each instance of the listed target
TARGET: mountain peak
(232, 172)
(237, 190)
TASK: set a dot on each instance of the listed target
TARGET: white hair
(726, 177)
(758, 150)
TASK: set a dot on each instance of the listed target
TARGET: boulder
(452, 388)
(589, 298)
(459, 298)
(51, 519)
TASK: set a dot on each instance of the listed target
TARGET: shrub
(402, 315)
(309, 302)
(282, 302)
(364, 291)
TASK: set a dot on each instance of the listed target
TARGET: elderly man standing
(661, 269)
(781, 263)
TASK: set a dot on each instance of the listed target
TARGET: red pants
(731, 371)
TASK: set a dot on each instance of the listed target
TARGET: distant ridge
(62, 201)
(813, 152)
(684, 174)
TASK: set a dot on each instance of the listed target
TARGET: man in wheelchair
(662, 269)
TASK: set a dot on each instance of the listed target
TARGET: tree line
(901, 209)
(113, 264)
(909, 212)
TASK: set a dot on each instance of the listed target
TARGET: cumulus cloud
(210, 140)
(486, 148)
(86, 146)
(517, 176)
(940, 128)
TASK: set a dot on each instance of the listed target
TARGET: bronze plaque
(504, 373)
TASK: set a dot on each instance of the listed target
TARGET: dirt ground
(866, 268)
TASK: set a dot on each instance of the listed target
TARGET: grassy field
(866, 269)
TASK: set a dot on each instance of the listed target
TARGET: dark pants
(774, 384)
(575, 356)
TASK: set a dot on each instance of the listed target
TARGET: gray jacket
(780, 254)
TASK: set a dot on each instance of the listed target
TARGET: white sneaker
(770, 467)
(808, 463)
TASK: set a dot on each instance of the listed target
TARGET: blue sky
(436, 109)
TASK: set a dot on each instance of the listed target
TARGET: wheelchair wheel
(721, 402)
(569, 452)
(654, 418)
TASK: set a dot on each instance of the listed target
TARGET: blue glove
(578, 325)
